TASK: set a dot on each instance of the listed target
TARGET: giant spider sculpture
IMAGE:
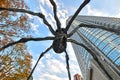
(61, 37)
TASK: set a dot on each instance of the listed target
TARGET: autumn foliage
(16, 60)
(12, 24)
(16, 64)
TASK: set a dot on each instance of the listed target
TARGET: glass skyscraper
(104, 44)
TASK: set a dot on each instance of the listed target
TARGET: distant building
(103, 44)
(77, 77)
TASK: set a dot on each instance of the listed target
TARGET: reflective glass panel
(91, 37)
(97, 42)
(117, 62)
(102, 45)
(116, 41)
(113, 36)
(97, 32)
(90, 32)
(106, 35)
(98, 36)
(114, 54)
(107, 49)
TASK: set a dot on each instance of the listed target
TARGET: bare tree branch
(76, 13)
(55, 14)
(32, 13)
(23, 40)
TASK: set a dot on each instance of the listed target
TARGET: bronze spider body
(61, 37)
(60, 41)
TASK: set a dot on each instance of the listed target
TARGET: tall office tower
(102, 61)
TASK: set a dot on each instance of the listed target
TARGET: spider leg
(80, 44)
(73, 31)
(55, 14)
(67, 62)
(41, 55)
(23, 40)
(92, 26)
(32, 13)
(95, 57)
(76, 13)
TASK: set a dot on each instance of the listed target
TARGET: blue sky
(52, 66)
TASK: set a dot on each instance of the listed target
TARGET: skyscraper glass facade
(107, 44)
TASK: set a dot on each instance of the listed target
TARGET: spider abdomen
(59, 44)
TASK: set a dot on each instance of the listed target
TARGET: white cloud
(118, 14)
(61, 13)
(51, 77)
(51, 20)
(73, 61)
(45, 2)
(50, 67)
(56, 66)
(30, 16)
(34, 27)
(40, 64)
(43, 11)
(94, 12)
(40, 20)
(48, 15)
(71, 52)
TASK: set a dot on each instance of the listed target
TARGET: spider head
(61, 31)
(60, 41)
